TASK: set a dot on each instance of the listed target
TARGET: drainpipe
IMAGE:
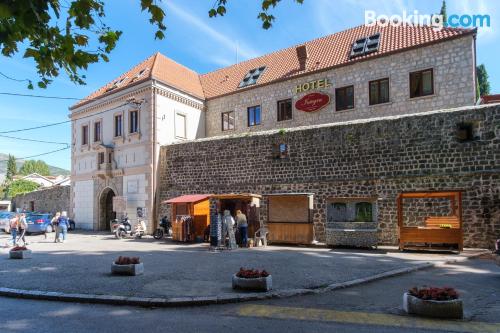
(154, 169)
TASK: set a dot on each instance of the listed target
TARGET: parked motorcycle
(165, 227)
(125, 229)
(124, 222)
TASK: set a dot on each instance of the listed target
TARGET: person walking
(63, 226)
(55, 225)
(23, 228)
(241, 222)
(14, 226)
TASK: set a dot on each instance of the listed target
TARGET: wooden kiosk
(437, 229)
(290, 218)
(195, 206)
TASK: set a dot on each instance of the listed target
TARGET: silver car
(5, 218)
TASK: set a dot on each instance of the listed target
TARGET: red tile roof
(490, 99)
(323, 53)
(190, 198)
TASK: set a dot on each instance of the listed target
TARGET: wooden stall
(248, 203)
(437, 229)
(190, 216)
(290, 218)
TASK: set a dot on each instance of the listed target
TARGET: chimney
(302, 56)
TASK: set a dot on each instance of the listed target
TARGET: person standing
(228, 223)
(241, 222)
(14, 226)
(63, 226)
(23, 228)
(55, 225)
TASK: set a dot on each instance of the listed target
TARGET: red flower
(251, 273)
(434, 293)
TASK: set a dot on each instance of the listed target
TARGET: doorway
(106, 213)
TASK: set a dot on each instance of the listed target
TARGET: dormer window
(140, 74)
(365, 45)
(252, 77)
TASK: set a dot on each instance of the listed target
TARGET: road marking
(364, 318)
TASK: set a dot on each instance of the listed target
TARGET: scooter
(165, 227)
(124, 230)
(124, 223)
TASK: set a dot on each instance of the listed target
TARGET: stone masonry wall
(376, 158)
(49, 200)
(452, 62)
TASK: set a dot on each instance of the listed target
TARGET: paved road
(187, 270)
(373, 307)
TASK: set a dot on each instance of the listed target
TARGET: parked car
(39, 222)
(5, 218)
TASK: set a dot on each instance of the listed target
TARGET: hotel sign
(317, 84)
(312, 102)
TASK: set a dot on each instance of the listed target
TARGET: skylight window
(252, 77)
(140, 74)
(365, 45)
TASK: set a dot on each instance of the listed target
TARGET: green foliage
(57, 34)
(219, 9)
(21, 186)
(11, 168)
(482, 78)
(443, 11)
(32, 166)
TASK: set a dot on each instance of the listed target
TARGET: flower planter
(20, 254)
(132, 269)
(497, 259)
(452, 309)
(254, 284)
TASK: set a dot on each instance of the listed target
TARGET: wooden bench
(438, 221)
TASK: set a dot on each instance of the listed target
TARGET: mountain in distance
(54, 171)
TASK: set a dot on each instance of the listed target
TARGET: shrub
(127, 260)
(251, 274)
(434, 293)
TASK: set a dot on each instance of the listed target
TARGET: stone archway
(106, 213)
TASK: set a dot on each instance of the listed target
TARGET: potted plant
(127, 266)
(250, 279)
(19, 252)
(433, 302)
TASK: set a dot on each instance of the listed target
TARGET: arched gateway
(106, 213)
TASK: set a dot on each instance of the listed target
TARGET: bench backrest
(437, 221)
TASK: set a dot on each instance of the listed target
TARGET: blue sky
(204, 44)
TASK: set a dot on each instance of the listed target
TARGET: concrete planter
(452, 309)
(22, 254)
(133, 269)
(256, 284)
(497, 259)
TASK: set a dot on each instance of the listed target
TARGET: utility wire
(43, 96)
(33, 140)
(62, 122)
(42, 154)
(13, 79)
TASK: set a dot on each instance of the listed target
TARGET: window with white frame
(133, 121)
(118, 125)
(180, 125)
(97, 131)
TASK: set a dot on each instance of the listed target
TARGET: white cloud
(228, 44)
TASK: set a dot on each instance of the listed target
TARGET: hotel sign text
(317, 84)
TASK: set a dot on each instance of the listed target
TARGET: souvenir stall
(190, 217)
(290, 218)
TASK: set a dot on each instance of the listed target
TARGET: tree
(32, 166)
(443, 12)
(70, 35)
(11, 168)
(20, 186)
(482, 80)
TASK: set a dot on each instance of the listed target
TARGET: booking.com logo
(436, 21)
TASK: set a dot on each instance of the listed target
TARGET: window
(228, 121)
(180, 125)
(379, 91)
(421, 83)
(97, 131)
(285, 109)
(465, 132)
(134, 121)
(252, 77)
(100, 158)
(118, 125)
(85, 135)
(344, 98)
(364, 212)
(253, 115)
(365, 45)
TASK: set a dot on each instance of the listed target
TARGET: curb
(210, 300)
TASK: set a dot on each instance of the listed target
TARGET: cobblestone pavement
(82, 265)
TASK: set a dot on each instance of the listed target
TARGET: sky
(203, 44)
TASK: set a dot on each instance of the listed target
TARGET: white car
(5, 218)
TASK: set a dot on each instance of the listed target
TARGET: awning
(190, 198)
(233, 196)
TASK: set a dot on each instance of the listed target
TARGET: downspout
(155, 168)
(478, 98)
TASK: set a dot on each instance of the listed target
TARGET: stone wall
(452, 62)
(376, 158)
(49, 200)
